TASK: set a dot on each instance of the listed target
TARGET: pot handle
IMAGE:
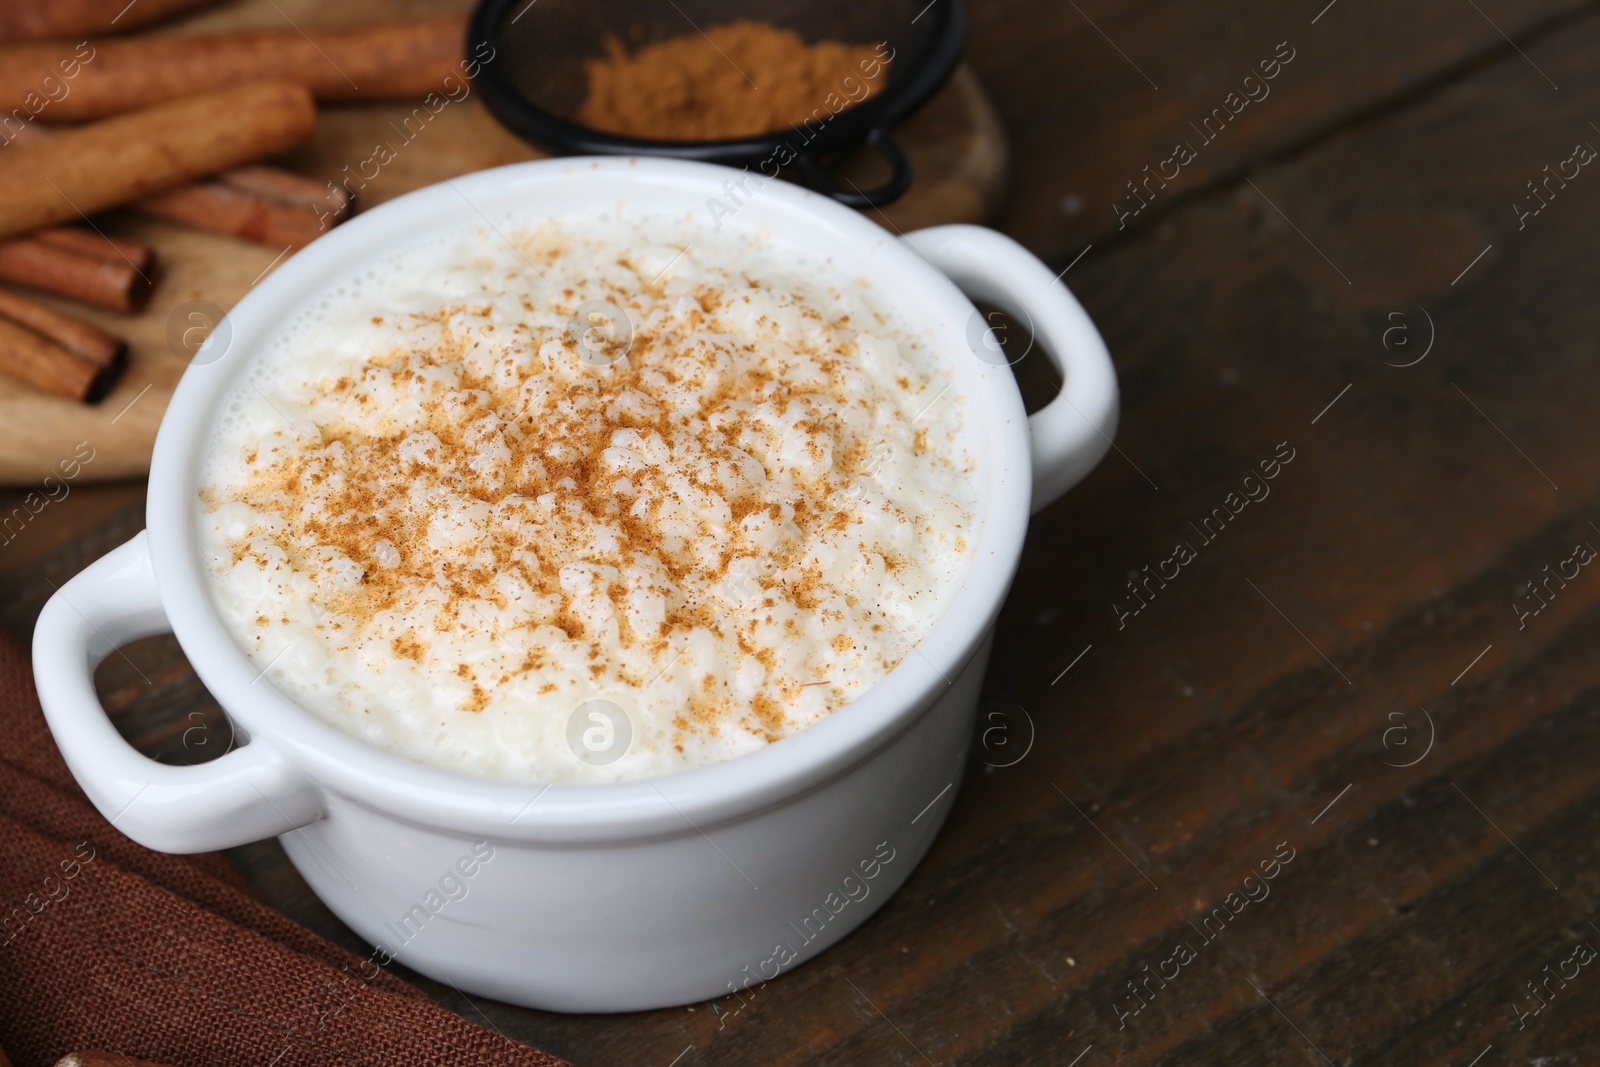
(1072, 432)
(247, 795)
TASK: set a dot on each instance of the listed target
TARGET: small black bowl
(535, 81)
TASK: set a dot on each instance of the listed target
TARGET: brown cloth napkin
(107, 945)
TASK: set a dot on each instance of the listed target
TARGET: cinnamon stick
(287, 186)
(39, 361)
(98, 246)
(17, 130)
(264, 204)
(219, 208)
(109, 163)
(250, 202)
(29, 20)
(381, 61)
(104, 281)
(82, 339)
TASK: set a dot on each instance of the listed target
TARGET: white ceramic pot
(590, 898)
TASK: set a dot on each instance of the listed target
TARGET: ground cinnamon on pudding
(437, 520)
(738, 79)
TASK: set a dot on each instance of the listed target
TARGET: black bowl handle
(887, 193)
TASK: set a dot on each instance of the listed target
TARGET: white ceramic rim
(995, 432)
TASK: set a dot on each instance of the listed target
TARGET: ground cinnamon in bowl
(738, 79)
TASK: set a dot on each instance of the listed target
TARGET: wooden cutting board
(956, 144)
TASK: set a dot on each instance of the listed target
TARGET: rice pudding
(705, 484)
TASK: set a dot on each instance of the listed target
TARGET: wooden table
(1341, 675)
